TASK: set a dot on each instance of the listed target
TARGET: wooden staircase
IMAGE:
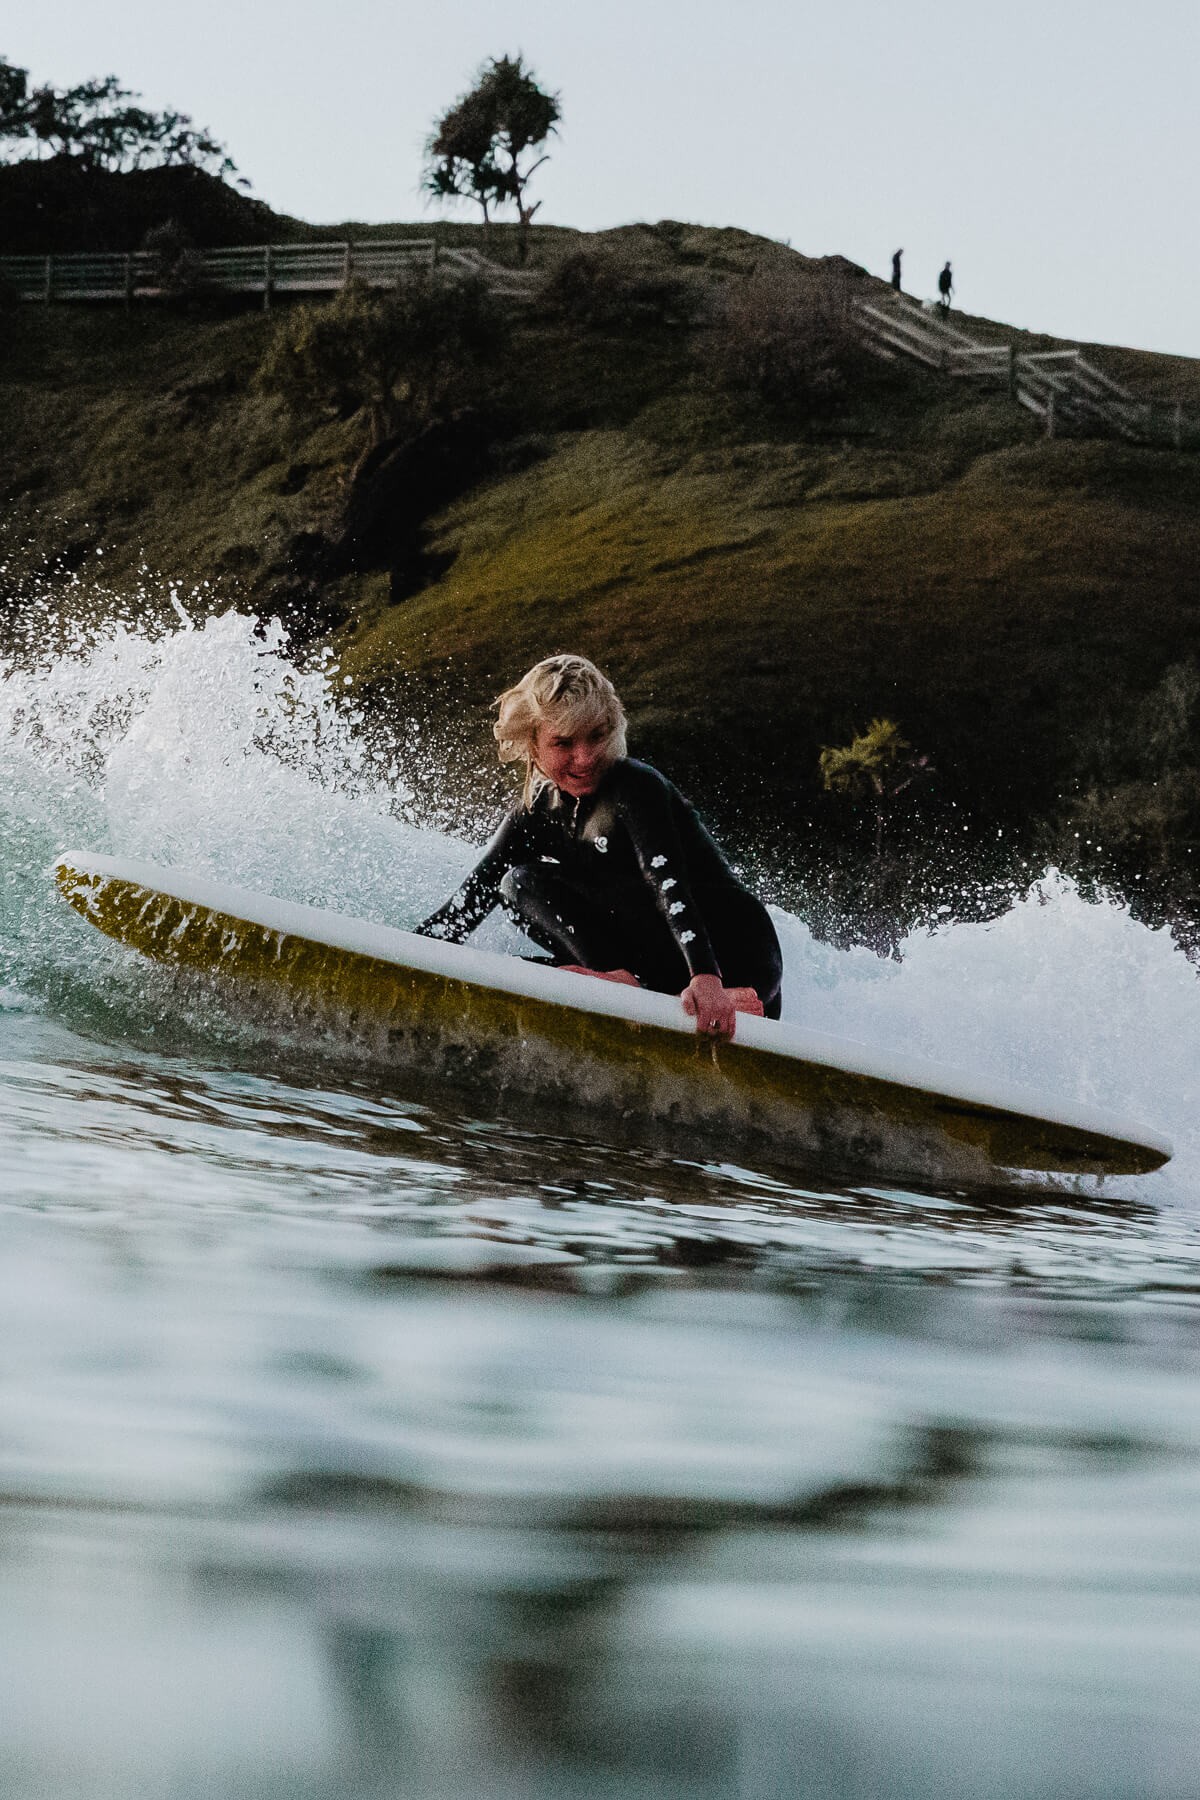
(1060, 386)
(901, 326)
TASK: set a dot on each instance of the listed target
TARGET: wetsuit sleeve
(645, 809)
(480, 892)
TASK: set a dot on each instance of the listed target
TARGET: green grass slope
(771, 600)
(757, 584)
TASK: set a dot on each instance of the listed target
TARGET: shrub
(787, 339)
(1138, 802)
(873, 770)
(402, 358)
(599, 290)
(178, 267)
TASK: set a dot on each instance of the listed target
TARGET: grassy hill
(758, 582)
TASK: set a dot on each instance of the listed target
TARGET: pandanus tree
(485, 148)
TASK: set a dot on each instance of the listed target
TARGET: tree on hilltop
(14, 99)
(479, 150)
(99, 123)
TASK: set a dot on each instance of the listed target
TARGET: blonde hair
(569, 690)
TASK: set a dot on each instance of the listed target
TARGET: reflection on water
(351, 1447)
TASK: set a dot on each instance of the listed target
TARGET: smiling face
(574, 754)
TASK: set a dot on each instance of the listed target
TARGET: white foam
(205, 748)
(1061, 994)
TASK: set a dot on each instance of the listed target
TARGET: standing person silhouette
(896, 255)
(946, 286)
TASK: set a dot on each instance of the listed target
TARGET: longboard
(497, 1023)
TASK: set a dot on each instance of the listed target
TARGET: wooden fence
(265, 269)
(1060, 386)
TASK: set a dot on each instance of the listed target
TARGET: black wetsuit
(625, 878)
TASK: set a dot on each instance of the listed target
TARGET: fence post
(347, 264)
(1050, 414)
(49, 280)
(266, 277)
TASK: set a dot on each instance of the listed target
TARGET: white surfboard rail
(557, 987)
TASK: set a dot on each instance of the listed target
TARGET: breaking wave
(204, 746)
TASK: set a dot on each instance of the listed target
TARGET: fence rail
(266, 269)
(991, 361)
(1060, 386)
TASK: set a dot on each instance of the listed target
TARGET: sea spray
(201, 746)
(1069, 998)
(205, 747)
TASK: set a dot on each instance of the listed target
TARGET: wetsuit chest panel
(635, 845)
(589, 838)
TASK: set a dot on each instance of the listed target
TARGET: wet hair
(568, 691)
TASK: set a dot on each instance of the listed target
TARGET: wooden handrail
(319, 267)
(1059, 385)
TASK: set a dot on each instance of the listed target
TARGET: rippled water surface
(357, 1442)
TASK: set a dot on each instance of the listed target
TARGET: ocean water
(358, 1442)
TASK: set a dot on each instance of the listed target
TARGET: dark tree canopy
(14, 99)
(481, 149)
(100, 123)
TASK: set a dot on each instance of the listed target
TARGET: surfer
(605, 865)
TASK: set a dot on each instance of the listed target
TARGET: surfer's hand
(706, 1000)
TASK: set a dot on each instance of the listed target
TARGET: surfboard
(505, 1026)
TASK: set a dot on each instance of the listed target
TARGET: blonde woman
(606, 866)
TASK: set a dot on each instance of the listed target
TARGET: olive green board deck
(500, 1025)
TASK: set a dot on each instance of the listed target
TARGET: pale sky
(1049, 148)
